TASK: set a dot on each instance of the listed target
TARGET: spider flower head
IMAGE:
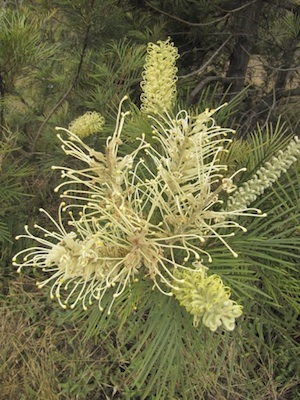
(89, 123)
(190, 181)
(82, 264)
(159, 77)
(131, 220)
(207, 299)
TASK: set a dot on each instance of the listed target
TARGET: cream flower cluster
(89, 123)
(83, 264)
(265, 177)
(142, 215)
(159, 77)
(207, 299)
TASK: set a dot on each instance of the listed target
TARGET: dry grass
(28, 353)
(38, 358)
(44, 359)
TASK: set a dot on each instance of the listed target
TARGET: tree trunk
(245, 33)
(287, 62)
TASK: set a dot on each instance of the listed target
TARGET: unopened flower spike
(89, 123)
(269, 173)
(159, 77)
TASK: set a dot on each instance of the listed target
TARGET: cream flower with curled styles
(144, 215)
(81, 266)
(190, 179)
(106, 174)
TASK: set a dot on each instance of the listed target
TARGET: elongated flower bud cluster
(89, 123)
(264, 177)
(159, 77)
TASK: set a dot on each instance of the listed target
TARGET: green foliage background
(59, 59)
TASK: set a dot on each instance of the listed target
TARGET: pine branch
(73, 83)
(205, 82)
(207, 63)
(287, 5)
(213, 22)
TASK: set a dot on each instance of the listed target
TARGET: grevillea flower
(269, 173)
(143, 215)
(207, 298)
(190, 180)
(106, 172)
(87, 124)
(79, 263)
(159, 77)
(82, 264)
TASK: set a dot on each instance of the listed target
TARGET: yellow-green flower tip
(207, 299)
